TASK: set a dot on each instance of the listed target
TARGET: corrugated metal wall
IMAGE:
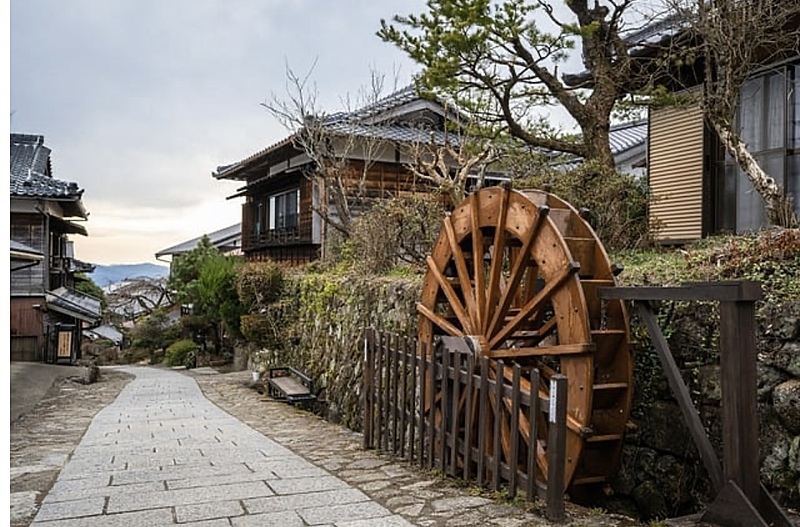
(675, 161)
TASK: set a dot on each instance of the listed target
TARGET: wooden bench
(288, 384)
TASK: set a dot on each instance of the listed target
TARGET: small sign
(553, 401)
(64, 344)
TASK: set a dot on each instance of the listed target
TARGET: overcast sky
(140, 100)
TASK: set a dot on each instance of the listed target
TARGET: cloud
(140, 100)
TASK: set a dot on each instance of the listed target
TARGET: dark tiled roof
(363, 121)
(225, 240)
(74, 303)
(31, 173)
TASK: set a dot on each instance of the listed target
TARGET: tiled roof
(74, 303)
(225, 240)
(354, 122)
(623, 137)
(30, 170)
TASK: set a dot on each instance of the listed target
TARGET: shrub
(259, 284)
(179, 353)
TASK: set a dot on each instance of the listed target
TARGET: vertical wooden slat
(498, 423)
(369, 410)
(404, 398)
(556, 448)
(414, 402)
(431, 408)
(395, 392)
(424, 395)
(483, 410)
(468, 418)
(513, 462)
(379, 389)
(444, 399)
(454, 435)
(387, 387)
(533, 421)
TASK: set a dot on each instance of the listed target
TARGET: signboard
(64, 344)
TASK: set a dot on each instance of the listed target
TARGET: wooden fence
(437, 410)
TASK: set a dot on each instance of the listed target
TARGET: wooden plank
(732, 508)
(461, 269)
(533, 420)
(413, 402)
(369, 368)
(681, 393)
(289, 386)
(498, 424)
(483, 403)
(450, 294)
(468, 417)
(513, 461)
(454, 435)
(738, 383)
(538, 351)
(731, 291)
(379, 431)
(424, 398)
(395, 405)
(439, 321)
(431, 409)
(444, 401)
(404, 350)
(556, 448)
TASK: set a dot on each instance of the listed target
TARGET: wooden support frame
(741, 500)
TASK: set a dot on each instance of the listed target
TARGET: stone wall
(318, 325)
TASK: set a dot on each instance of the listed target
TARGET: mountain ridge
(105, 275)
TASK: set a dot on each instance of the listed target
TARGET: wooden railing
(436, 410)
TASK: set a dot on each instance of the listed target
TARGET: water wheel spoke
(439, 321)
(477, 262)
(518, 270)
(461, 269)
(534, 303)
(451, 295)
(496, 268)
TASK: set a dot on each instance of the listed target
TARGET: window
(284, 210)
(768, 122)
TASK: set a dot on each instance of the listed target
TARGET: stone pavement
(162, 454)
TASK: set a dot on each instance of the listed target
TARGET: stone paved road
(162, 454)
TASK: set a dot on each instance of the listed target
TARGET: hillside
(104, 275)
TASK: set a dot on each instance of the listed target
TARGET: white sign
(553, 401)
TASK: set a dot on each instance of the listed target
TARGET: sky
(141, 100)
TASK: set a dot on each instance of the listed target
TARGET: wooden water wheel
(519, 271)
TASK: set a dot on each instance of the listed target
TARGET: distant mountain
(104, 275)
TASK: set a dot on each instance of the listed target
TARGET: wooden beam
(733, 291)
(681, 393)
(537, 351)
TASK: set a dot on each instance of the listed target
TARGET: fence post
(556, 447)
(369, 356)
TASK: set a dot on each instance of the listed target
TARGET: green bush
(259, 284)
(179, 353)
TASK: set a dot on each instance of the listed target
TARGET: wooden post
(556, 447)
(369, 357)
(739, 411)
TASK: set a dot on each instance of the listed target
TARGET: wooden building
(47, 315)
(281, 215)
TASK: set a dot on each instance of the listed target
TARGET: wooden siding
(676, 173)
(29, 229)
(27, 330)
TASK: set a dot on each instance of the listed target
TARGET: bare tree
(735, 39)
(448, 164)
(331, 142)
(138, 297)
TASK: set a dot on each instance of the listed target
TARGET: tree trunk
(598, 148)
(778, 205)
